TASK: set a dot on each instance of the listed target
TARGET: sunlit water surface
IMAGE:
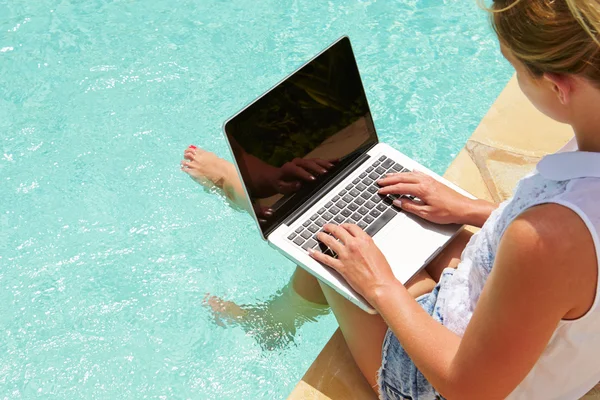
(107, 249)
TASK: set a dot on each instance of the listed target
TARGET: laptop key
(366, 195)
(339, 219)
(321, 211)
(369, 204)
(310, 244)
(335, 198)
(292, 236)
(346, 212)
(334, 210)
(299, 229)
(380, 170)
(327, 216)
(360, 201)
(354, 193)
(360, 187)
(374, 214)
(376, 163)
(313, 228)
(348, 198)
(298, 241)
(342, 193)
(329, 204)
(361, 176)
(381, 222)
(367, 181)
(382, 158)
(349, 187)
(320, 222)
(387, 163)
(362, 225)
(376, 198)
(397, 167)
(306, 234)
(314, 217)
(381, 207)
(363, 211)
(369, 169)
(356, 217)
(374, 175)
(368, 219)
(340, 204)
(357, 180)
(352, 207)
(306, 223)
(372, 189)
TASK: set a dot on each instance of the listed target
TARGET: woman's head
(550, 42)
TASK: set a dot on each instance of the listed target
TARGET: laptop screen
(294, 139)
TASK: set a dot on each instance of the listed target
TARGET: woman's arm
(439, 203)
(538, 278)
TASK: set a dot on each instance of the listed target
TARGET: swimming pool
(107, 249)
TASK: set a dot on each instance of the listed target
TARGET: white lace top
(570, 364)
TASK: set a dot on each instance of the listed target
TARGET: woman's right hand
(436, 202)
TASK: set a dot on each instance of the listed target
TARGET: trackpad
(408, 242)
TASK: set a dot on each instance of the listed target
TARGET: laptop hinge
(327, 188)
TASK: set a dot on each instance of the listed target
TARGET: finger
(400, 177)
(410, 206)
(324, 163)
(330, 242)
(354, 230)
(411, 189)
(288, 187)
(312, 166)
(338, 232)
(325, 259)
(294, 171)
(186, 164)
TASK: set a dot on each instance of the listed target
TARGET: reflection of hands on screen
(292, 174)
(262, 213)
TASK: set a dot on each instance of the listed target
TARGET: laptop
(308, 154)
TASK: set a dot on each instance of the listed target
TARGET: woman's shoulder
(561, 248)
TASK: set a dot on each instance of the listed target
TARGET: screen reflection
(301, 134)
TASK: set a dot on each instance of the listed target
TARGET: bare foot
(224, 311)
(204, 167)
(272, 323)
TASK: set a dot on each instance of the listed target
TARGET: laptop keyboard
(358, 203)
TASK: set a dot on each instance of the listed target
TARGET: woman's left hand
(358, 260)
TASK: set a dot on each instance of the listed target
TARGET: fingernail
(312, 178)
(193, 147)
(268, 213)
(310, 251)
(398, 203)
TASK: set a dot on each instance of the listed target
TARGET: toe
(189, 155)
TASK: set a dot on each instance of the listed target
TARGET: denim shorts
(399, 378)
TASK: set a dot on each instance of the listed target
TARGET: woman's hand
(358, 260)
(436, 202)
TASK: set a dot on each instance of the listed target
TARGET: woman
(518, 317)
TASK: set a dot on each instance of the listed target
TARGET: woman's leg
(211, 171)
(364, 333)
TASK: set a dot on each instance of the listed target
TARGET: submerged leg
(273, 322)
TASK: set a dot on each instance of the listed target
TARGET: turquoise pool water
(107, 249)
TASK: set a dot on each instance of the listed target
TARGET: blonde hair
(551, 36)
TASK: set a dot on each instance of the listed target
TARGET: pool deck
(507, 144)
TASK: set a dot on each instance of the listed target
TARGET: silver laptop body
(265, 136)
